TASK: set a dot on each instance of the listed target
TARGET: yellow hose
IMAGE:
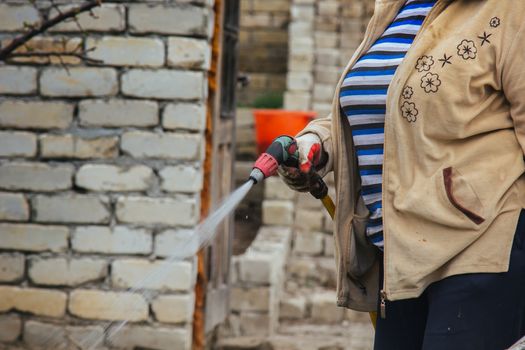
(330, 208)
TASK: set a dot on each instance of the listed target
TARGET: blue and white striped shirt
(363, 101)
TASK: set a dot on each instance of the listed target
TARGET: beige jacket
(454, 141)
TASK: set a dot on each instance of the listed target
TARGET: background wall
(100, 174)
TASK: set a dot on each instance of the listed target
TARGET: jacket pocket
(462, 196)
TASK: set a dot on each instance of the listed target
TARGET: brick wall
(322, 37)
(100, 174)
(263, 47)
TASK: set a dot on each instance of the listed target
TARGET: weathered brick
(166, 211)
(309, 243)
(118, 113)
(11, 267)
(14, 18)
(135, 337)
(34, 238)
(174, 308)
(292, 308)
(324, 309)
(78, 82)
(297, 100)
(105, 177)
(10, 327)
(181, 179)
(186, 20)
(250, 299)
(299, 81)
(57, 45)
(276, 212)
(169, 276)
(141, 144)
(163, 84)
(255, 20)
(127, 51)
(101, 305)
(105, 240)
(257, 268)
(107, 17)
(329, 8)
(71, 208)
(309, 219)
(271, 6)
(301, 61)
(323, 93)
(184, 116)
(302, 12)
(66, 272)
(255, 324)
(72, 146)
(35, 114)
(170, 242)
(13, 207)
(301, 29)
(41, 302)
(17, 144)
(275, 188)
(327, 75)
(189, 53)
(39, 335)
(17, 80)
(35, 176)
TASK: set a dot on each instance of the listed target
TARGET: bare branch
(58, 54)
(34, 30)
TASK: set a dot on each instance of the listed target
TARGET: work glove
(311, 156)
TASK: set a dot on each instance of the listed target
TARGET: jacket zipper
(383, 296)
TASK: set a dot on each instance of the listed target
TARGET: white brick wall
(163, 211)
(142, 144)
(17, 144)
(71, 209)
(41, 302)
(100, 305)
(118, 113)
(163, 84)
(35, 176)
(17, 80)
(13, 207)
(185, 116)
(66, 272)
(108, 17)
(78, 82)
(118, 51)
(70, 146)
(105, 177)
(35, 238)
(13, 18)
(117, 240)
(35, 114)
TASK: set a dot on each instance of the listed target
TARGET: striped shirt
(363, 101)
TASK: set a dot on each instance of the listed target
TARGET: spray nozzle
(283, 150)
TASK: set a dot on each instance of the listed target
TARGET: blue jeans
(479, 311)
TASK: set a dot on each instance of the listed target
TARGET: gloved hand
(310, 157)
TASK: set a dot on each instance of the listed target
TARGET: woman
(426, 140)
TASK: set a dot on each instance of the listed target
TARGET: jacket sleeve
(322, 127)
(513, 82)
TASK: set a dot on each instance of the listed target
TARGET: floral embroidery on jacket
(407, 92)
(409, 111)
(445, 60)
(430, 82)
(424, 63)
(495, 22)
(484, 38)
(467, 49)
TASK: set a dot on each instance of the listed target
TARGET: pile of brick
(101, 173)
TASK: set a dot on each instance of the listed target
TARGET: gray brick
(13, 17)
(41, 302)
(17, 80)
(169, 275)
(17, 144)
(78, 82)
(163, 84)
(250, 299)
(72, 146)
(127, 51)
(140, 144)
(108, 17)
(105, 177)
(276, 212)
(160, 338)
(10, 327)
(35, 115)
(170, 242)
(181, 179)
(13, 207)
(33, 238)
(166, 211)
(71, 208)
(184, 116)
(117, 240)
(118, 113)
(35, 176)
(101, 305)
(174, 308)
(185, 20)
(37, 335)
(189, 53)
(12, 267)
(66, 272)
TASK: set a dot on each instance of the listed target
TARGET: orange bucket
(272, 123)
